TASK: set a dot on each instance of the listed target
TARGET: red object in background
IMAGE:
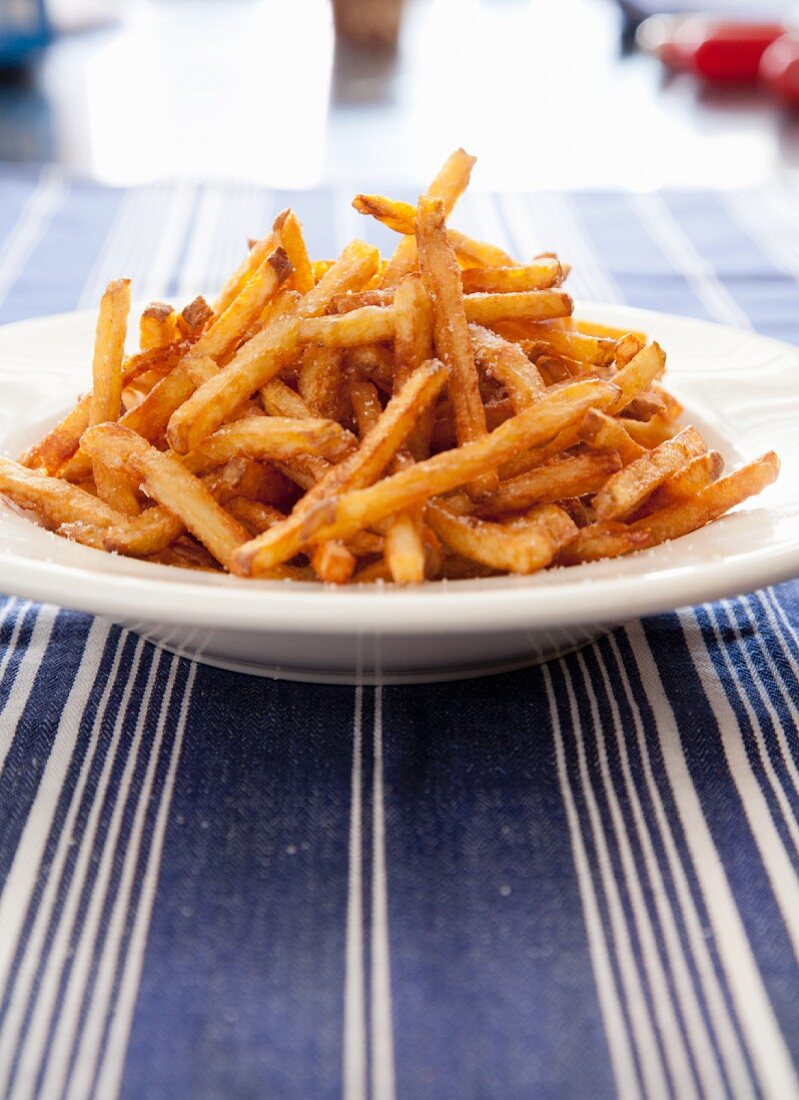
(716, 50)
(779, 68)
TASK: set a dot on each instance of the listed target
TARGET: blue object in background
(23, 29)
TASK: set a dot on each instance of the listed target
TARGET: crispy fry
(499, 280)
(448, 185)
(509, 365)
(288, 225)
(171, 484)
(54, 501)
(269, 438)
(627, 489)
(333, 563)
(573, 476)
(451, 333)
(570, 345)
(319, 380)
(109, 350)
(601, 432)
(591, 328)
(405, 552)
(360, 508)
(194, 318)
(523, 549)
(157, 326)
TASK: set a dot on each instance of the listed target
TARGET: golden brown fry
(109, 351)
(644, 407)
(333, 563)
(451, 332)
(61, 442)
(281, 400)
(611, 540)
(360, 508)
(269, 438)
(291, 237)
(509, 365)
(570, 345)
(591, 328)
(601, 432)
(319, 380)
(448, 185)
(366, 405)
(637, 375)
(54, 501)
(499, 280)
(116, 488)
(627, 489)
(254, 515)
(170, 483)
(194, 318)
(157, 326)
(257, 254)
(413, 328)
(572, 476)
(511, 549)
(405, 548)
(652, 433)
(266, 354)
(694, 476)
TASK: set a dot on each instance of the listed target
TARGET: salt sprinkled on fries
(439, 414)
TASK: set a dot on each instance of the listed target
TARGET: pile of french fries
(439, 414)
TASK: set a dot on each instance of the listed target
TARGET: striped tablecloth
(576, 880)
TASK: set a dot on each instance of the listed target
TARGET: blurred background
(548, 93)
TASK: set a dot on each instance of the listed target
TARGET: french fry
(54, 501)
(291, 237)
(601, 432)
(604, 541)
(109, 350)
(573, 476)
(624, 491)
(523, 549)
(226, 441)
(507, 363)
(269, 438)
(319, 380)
(333, 563)
(171, 484)
(360, 508)
(448, 185)
(450, 329)
(265, 355)
(157, 326)
(500, 280)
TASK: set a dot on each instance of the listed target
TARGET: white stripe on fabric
(34, 218)
(32, 1040)
(766, 1044)
(697, 1032)
(5, 661)
(25, 678)
(197, 265)
(354, 1045)
(22, 878)
(383, 1083)
(755, 671)
(113, 1057)
(679, 1067)
(553, 219)
(775, 859)
(117, 257)
(89, 1051)
(618, 1039)
(766, 218)
(163, 252)
(649, 1059)
(770, 604)
(64, 1035)
(680, 251)
(737, 1070)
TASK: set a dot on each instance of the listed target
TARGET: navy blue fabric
(574, 880)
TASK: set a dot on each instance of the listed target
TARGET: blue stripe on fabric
(727, 822)
(736, 637)
(57, 269)
(631, 256)
(663, 637)
(23, 621)
(100, 748)
(172, 706)
(483, 921)
(761, 289)
(65, 795)
(246, 944)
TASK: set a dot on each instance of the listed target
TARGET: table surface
(543, 93)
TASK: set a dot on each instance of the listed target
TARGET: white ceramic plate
(741, 390)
